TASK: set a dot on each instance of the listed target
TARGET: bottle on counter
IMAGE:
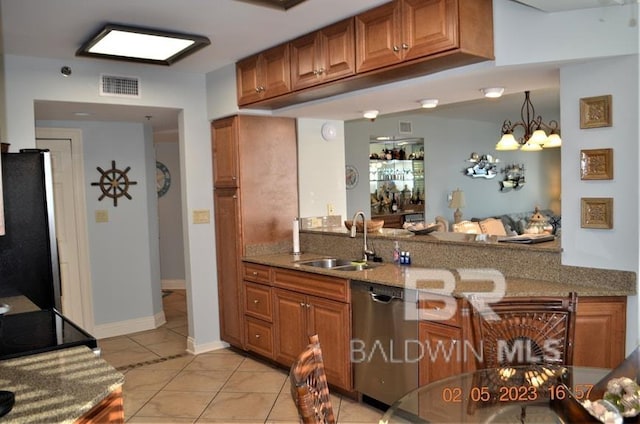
(394, 203)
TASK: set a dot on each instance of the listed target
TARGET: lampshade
(531, 147)
(538, 137)
(508, 142)
(457, 199)
(553, 140)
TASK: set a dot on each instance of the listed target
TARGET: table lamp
(457, 202)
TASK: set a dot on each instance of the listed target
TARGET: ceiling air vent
(405, 127)
(119, 86)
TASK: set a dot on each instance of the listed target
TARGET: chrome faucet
(365, 249)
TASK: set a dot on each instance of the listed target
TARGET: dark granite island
(63, 386)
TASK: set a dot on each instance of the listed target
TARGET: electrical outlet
(331, 210)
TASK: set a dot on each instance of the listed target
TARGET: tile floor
(164, 384)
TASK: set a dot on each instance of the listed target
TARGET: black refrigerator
(29, 267)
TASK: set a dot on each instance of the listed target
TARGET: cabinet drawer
(313, 284)
(259, 337)
(257, 301)
(433, 307)
(257, 273)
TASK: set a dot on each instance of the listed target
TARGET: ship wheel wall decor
(114, 183)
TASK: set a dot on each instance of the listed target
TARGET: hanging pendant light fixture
(534, 137)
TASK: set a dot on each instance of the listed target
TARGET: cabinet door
(331, 320)
(290, 325)
(305, 61)
(224, 139)
(378, 33)
(338, 50)
(275, 72)
(226, 207)
(442, 356)
(428, 27)
(325, 55)
(248, 80)
(599, 339)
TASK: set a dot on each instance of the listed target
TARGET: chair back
(524, 331)
(309, 388)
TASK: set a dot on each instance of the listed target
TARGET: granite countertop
(58, 386)
(430, 278)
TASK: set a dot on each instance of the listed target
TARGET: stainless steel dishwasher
(385, 366)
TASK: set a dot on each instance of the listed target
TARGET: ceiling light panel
(141, 45)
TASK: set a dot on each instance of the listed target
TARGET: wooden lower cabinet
(109, 411)
(297, 316)
(600, 331)
(441, 356)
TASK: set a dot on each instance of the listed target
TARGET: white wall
(172, 272)
(321, 169)
(28, 79)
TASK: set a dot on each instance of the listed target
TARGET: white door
(66, 231)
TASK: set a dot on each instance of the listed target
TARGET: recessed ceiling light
(429, 103)
(81, 113)
(141, 45)
(492, 92)
(371, 114)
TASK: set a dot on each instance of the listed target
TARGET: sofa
(506, 224)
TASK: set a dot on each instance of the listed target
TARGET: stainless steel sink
(337, 264)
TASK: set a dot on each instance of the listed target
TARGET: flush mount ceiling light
(145, 45)
(429, 103)
(278, 4)
(534, 137)
(371, 114)
(492, 92)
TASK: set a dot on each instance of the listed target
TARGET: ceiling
(55, 29)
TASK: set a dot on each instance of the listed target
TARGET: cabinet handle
(321, 71)
(396, 49)
(307, 305)
(302, 304)
(257, 336)
(234, 196)
(234, 178)
(257, 89)
(405, 46)
(256, 301)
(255, 273)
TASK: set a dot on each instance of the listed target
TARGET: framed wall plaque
(596, 212)
(595, 112)
(596, 164)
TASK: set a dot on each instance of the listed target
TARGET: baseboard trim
(121, 328)
(173, 284)
(207, 347)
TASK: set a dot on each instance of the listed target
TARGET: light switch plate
(201, 216)
(102, 215)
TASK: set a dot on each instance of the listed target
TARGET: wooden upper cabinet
(264, 75)
(378, 33)
(224, 140)
(404, 30)
(324, 55)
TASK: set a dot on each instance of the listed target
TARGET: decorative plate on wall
(163, 179)
(351, 176)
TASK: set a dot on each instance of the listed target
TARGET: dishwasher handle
(382, 298)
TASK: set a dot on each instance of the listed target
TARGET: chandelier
(534, 137)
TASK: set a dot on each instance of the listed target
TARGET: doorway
(65, 145)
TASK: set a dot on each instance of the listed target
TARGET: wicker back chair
(309, 388)
(524, 331)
